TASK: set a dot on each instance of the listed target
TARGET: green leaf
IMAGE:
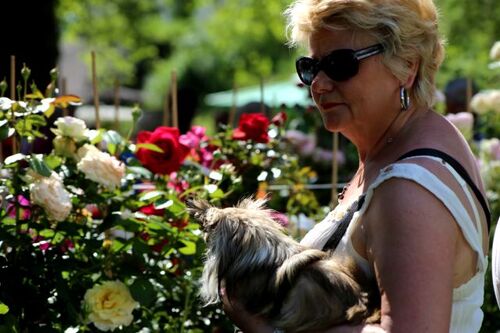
(143, 292)
(3, 308)
(163, 203)
(14, 158)
(113, 139)
(154, 224)
(47, 233)
(4, 130)
(40, 166)
(189, 249)
(111, 148)
(95, 136)
(50, 111)
(140, 171)
(217, 194)
(150, 146)
(52, 161)
(150, 195)
(177, 206)
(140, 247)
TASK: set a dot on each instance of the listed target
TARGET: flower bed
(95, 235)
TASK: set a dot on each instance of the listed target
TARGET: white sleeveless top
(468, 298)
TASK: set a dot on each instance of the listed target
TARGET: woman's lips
(326, 106)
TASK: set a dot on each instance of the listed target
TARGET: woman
(414, 214)
(495, 263)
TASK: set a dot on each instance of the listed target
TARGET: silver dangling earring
(404, 98)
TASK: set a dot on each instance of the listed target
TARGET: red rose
(252, 126)
(279, 119)
(151, 210)
(167, 139)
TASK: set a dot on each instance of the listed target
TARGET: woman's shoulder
(433, 131)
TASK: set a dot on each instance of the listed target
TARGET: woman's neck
(373, 146)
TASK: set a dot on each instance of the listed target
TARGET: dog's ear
(252, 203)
(198, 208)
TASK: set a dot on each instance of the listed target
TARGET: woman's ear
(413, 66)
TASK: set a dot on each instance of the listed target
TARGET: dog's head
(242, 242)
(248, 211)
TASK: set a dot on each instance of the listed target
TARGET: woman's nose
(321, 83)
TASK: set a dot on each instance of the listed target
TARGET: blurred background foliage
(213, 43)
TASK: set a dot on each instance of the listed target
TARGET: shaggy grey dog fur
(296, 289)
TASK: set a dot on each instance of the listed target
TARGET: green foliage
(470, 28)
(89, 213)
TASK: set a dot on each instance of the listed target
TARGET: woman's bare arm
(411, 241)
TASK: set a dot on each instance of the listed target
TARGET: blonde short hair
(408, 30)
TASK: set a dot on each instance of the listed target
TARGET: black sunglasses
(339, 65)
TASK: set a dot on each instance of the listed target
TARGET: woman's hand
(247, 322)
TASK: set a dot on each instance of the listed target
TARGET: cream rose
(110, 305)
(71, 127)
(100, 166)
(50, 194)
(484, 101)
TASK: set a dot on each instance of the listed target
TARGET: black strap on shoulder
(334, 240)
(458, 168)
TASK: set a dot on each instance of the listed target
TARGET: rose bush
(95, 235)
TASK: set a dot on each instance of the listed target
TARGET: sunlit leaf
(3, 308)
(39, 166)
(66, 100)
(50, 111)
(189, 248)
(37, 94)
(162, 204)
(150, 195)
(14, 158)
(149, 146)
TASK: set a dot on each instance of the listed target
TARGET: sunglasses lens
(341, 65)
(306, 69)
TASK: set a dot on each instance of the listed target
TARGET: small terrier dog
(295, 288)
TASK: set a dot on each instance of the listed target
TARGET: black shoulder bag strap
(332, 243)
(334, 240)
(458, 168)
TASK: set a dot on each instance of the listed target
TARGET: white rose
(50, 194)
(495, 51)
(71, 127)
(100, 166)
(110, 305)
(485, 101)
(5, 103)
